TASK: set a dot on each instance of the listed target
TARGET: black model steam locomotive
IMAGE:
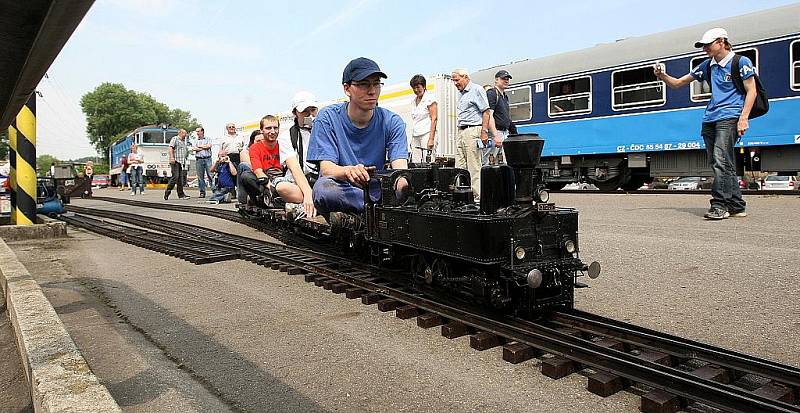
(512, 251)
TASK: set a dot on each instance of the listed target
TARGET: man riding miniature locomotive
(512, 252)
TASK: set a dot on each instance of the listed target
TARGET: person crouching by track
(349, 137)
(265, 184)
(226, 178)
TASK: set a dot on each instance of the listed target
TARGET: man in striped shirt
(178, 161)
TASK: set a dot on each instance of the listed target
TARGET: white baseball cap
(711, 35)
(302, 100)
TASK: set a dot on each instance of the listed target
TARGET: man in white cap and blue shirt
(725, 119)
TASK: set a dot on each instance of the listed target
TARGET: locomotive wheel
(441, 269)
(421, 269)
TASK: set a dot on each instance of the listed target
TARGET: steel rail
(677, 346)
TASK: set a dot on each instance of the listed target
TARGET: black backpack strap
(736, 74)
(294, 135)
(708, 75)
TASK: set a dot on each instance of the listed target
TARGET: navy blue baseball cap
(360, 69)
(502, 74)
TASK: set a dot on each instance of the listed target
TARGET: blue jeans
(203, 170)
(220, 193)
(720, 138)
(137, 179)
(333, 195)
(123, 178)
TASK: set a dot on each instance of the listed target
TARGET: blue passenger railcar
(608, 120)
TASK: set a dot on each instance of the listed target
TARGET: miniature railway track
(672, 192)
(670, 372)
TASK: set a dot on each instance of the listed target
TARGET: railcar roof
(742, 29)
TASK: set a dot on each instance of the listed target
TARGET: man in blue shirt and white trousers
(349, 137)
(725, 119)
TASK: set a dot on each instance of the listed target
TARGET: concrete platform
(45, 227)
(57, 374)
(165, 335)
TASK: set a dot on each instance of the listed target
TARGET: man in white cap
(298, 136)
(726, 116)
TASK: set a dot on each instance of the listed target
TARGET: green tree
(43, 163)
(113, 110)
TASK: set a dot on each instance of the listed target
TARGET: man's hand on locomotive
(357, 174)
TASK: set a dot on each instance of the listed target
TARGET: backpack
(761, 104)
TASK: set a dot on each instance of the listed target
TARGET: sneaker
(710, 210)
(295, 211)
(133, 193)
(738, 214)
(202, 194)
(718, 213)
(166, 195)
(184, 197)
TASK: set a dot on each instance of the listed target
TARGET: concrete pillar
(25, 212)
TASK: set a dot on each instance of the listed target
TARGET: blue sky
(238, 60)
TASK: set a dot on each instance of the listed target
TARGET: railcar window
(700, 90)
(170, 135)
(519, 103)
(154, 136)
(635, 88)
(795, 69)
(570, 97)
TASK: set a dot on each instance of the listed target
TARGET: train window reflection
(795, 62)
(701, 91)
(634, 88)
(154, 136)
(570, 97)
(170, 135)
(519, 103)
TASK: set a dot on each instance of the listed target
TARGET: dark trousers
(178, 178)
(249, 182)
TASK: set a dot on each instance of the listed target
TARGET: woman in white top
(136, 169)
(424, 113)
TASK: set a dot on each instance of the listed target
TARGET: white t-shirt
(420, 116)
(287, 150)
(231, 143)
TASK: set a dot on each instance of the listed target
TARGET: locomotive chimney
(523, 153)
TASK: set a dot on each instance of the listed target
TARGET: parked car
(780, 183)
(690, 183)
(584, 186)
(744, 183)
(100, 181)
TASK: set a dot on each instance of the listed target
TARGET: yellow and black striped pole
(12, 160)
(25, 212)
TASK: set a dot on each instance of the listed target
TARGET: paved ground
(166, 335)
(15, 396)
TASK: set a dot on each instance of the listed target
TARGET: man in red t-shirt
(267, 183)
